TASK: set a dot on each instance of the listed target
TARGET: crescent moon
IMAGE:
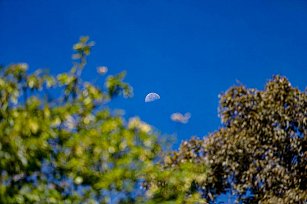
(152, 97)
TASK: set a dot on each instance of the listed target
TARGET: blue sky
(187, 51)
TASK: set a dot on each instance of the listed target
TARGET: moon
(152, 97)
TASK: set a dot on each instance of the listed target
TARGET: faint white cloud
(180, 118)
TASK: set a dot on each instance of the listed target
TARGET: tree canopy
(260, 152)
(70, 148)
(60, 143)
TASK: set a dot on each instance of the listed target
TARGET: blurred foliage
(177, 178)
(59, 142)
(260, 153)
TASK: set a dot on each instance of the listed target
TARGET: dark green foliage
(260, 154)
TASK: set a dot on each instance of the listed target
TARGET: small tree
(260, 153)
(59, 143)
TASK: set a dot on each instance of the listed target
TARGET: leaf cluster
(260, 153)
(59, 142)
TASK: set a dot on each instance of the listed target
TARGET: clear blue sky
(187, 51)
